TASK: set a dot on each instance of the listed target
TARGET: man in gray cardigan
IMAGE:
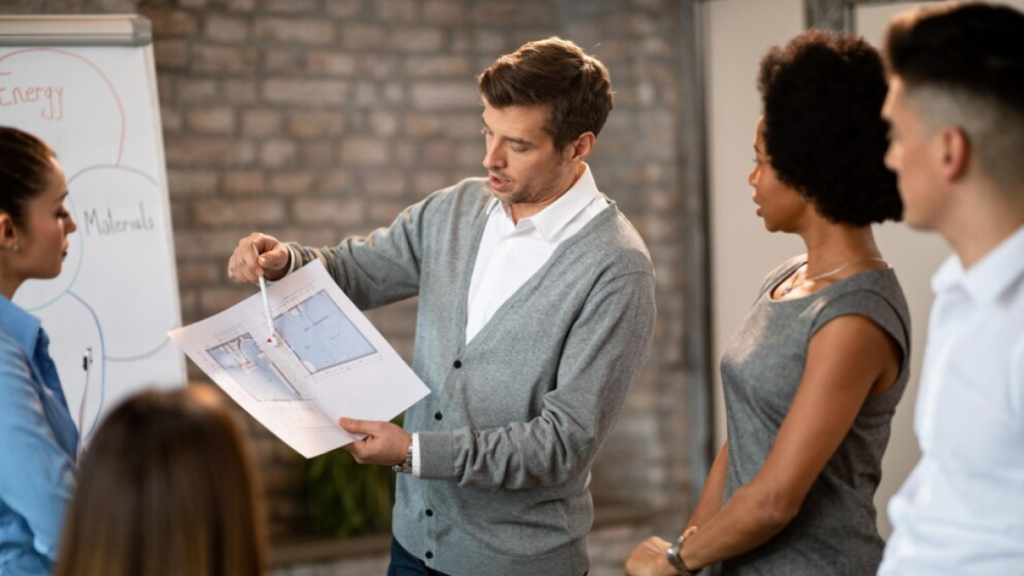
(535, 317)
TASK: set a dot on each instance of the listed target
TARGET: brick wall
(315, 119)
(637, 164)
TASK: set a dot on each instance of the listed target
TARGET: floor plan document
(329, 362)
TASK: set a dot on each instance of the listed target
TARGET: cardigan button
(437, 416)
(430, 512)
(430, 555)
(458, 364)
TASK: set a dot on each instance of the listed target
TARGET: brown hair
(575, 87)
(167, 489)
(25, 165)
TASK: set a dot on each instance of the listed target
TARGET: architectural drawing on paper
(320, 334)
(250, 367)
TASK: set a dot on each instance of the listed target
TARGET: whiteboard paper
(109, 311)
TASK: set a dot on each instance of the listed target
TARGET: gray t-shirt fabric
(762, 366)
(515, 418)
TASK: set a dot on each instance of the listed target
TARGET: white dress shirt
(961, 511)
(510, 253)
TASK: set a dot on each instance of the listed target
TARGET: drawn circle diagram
(55, 95)
(114, 205)
(118, 205)
(116, 297)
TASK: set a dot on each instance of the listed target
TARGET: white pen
(86, 365)
(266, 303)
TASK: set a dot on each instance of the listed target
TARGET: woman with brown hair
(166, 489)
(38, 439)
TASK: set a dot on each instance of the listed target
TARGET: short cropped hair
(575, 87)
(822, 96)
(964, 65)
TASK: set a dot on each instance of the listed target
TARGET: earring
(15, 247)
(803, 198)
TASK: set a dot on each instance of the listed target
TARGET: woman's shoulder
(873, 287)
(14, 364)
(874, 294)
(9, 347)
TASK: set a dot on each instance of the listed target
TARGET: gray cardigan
(515, 418)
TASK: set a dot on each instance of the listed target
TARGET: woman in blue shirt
(38, 439)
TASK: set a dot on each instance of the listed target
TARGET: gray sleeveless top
(762, 365)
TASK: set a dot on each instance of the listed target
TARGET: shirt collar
(989, 277)
(21, 326)
(554, 218)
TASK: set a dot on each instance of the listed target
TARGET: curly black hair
(822, 95)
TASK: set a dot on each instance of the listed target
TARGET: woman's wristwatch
(675, 560)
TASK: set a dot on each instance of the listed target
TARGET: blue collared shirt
(38, 441)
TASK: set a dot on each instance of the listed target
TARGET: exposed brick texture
(317, 119)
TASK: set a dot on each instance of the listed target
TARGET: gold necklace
(792, 286)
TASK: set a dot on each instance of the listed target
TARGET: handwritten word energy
(51, 98)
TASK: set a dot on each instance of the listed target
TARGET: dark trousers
(405, 564)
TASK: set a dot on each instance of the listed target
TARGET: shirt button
(430, 555)
(458, 364)
(437, 416)
(430, 512)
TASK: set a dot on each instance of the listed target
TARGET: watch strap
(405, 467)
(675, 560)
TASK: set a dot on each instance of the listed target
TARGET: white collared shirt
(510, 253)
(961, 511)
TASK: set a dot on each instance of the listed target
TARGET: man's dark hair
(575, 87)
(822, 94)
(25, 165)
(974, 48)
(964, 65)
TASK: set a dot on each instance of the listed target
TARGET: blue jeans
(405, 564)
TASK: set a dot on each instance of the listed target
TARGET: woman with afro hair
(813, 375)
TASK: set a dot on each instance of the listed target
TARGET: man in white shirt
(956, 106)
(536, 313)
